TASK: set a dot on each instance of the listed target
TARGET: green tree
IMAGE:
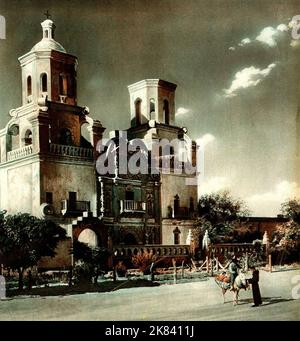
(220, 214)
(287, 235)
(90, 261)
(24, 239)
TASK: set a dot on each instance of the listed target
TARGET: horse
(240, 282)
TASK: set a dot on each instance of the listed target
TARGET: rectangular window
(129, 195)
(49, 198)
(72, 201)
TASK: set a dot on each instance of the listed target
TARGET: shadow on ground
(80, 289)
(266, 300)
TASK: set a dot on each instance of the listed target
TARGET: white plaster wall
(168, 226)
(176, 184)
(62, 178)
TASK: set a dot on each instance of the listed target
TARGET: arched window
(65, 137)
(138, 115)
(130, 239)
(28, 137)
(44, 82)
(176, 205)
(29, 86)
(63, 85)
(46, 34)
(89, 237)
(13, 138)
(176, 234)
(166, 112)
(152, 108)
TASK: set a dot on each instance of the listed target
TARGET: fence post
(175, 270)
(207, 264)
(182, 269)
(270, 262)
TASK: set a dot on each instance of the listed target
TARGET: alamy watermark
(178, 156)
(296, 288)
(2, 27)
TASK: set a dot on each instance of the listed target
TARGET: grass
(81, 288)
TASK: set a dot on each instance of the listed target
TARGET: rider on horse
(233, 270)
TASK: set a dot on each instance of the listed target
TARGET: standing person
(255, 287)
(233, 270)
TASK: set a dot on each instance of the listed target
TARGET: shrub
(143, 260)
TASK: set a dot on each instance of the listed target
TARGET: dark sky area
(235, 64)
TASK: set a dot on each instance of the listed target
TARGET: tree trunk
(281, 258)
(21, 284)
(29, 280)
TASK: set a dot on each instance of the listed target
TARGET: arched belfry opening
(65, 137)
(138, 113)
(166, 111)
(29, 87)
(44, 82)
(152, 108)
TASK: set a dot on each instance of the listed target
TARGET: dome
(48, 44)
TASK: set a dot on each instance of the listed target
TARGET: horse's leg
(223, 292)
(235, 297)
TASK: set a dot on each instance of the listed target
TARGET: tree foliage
(24, 239)
(143, 260)
(90, 261)
(287, 235)
(220, 214)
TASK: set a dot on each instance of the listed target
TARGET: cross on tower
(47, 14)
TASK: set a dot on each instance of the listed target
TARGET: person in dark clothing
(233, 270)
(255, 287)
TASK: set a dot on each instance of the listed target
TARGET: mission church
(48, 161)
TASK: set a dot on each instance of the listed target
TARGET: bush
(143, 261)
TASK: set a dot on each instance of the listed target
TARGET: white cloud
(267, 36)
(269, 203)
(231, 48)
(248, 77)
(282, 28)
(245, 42)
(213, 185)
(182, 111)
(205, 139)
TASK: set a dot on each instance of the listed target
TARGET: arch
(176, 205)
(176, 233)
(28, 137)
(129, 239)
(43, 82)
(65, 137)
(63, 85)
(85, 137)
(29, 87)
(138, 113)
(13, 138)
(89, 237)
(166, 111)
(152, 108)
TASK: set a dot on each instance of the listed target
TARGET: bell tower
(152, 99)
(48, 71)
(48, 148)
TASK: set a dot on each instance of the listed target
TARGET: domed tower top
(48, 42)
(48, 71)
